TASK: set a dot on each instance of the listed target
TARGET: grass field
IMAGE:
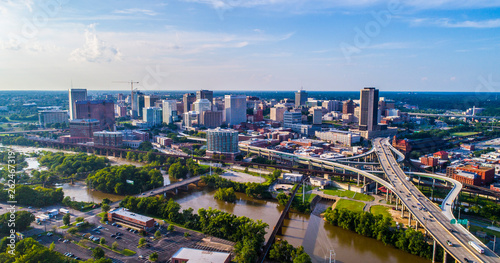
(348, 194)
(350, 205)
(380, 210)
(464, 133)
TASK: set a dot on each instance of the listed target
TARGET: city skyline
(251, 45)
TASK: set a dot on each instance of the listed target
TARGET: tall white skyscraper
(169, 108)
(74, 95)
(235, 109)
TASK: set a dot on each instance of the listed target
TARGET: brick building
(122, 215)
(429, 161)
(101, 110)
(441, 155)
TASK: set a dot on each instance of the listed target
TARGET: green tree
(98, 253)
(302, 258)
(66, 219)
(157, 234)
(114, 246)
(177, 170)
(52, 246)
(170, 228)
(102, 241)
(153, 257)
(142, 241)
(105, 208)
(79, 219)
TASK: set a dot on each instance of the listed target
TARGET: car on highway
(65, 241)
(99, 227)
(118, 237)
(114, 224)
(448, 242)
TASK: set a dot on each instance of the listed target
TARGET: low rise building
(467, 177)
(441, 155)
(46, 117)
(191, 255)
(122, 215)
(106, 138)
(336, 136)
(292, 177)
(429, 161)
(320, 182)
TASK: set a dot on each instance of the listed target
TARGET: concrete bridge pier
(402, 211)
(376, 188)
(434, 252)
(397, 202)
(358, 179)
(445, 255)
(364, 180)
(409, 218)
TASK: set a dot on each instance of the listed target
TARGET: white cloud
(94, 49)
(449, 23)
(136, 11)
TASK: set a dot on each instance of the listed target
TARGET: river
(310, 231)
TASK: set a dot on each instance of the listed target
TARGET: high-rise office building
(235, 109)
(149, 100)
(187, 101)
(75, 95)
(291, 117)
(348, 107)
(140, 103)
(101, 110)
(211, 119)
(300, 98)
(169, 111)
(276, 113)
(368, 118)
(317, 115)
(222, 142)
(205, 94)
(152, 116)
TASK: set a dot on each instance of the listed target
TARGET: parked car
(118, 237)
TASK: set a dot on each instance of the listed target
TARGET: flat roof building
(122, 215)
(191, 255)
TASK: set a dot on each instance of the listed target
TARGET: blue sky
(334, 45)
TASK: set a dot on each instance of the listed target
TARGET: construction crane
(131, 92)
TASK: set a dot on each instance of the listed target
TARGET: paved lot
(242, 177)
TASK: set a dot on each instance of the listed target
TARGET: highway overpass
(434, 219)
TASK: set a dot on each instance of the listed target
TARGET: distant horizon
(242, 91)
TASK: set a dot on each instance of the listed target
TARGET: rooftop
(124, 212)
(200, 256)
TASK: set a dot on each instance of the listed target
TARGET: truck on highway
(476, 247)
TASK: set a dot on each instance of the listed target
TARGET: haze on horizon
(268, 45)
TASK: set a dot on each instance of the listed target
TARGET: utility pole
(332, 255)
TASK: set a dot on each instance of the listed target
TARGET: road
(435, 219)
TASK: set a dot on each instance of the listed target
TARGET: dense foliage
(17, 140)
(225, 194)
(22, 221)
(250, 189)
(248, 234)
(297, 204)
(39, 196)
(379, 227)
(283, 252)
(113, 179)
(68, 164)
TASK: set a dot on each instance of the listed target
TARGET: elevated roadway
(434, 219)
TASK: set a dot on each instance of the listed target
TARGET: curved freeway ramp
(434, 219)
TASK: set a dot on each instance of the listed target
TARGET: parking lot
(165, 246)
